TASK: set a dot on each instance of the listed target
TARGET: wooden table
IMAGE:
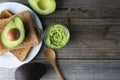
(93, 52)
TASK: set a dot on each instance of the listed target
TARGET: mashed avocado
(56, 36)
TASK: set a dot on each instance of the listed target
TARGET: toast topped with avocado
(22, 52)
(30, 33)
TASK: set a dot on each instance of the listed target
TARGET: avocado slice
(13, 34)
(43, 7)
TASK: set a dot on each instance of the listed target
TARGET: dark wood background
(93, 52)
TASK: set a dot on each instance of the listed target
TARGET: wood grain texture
(84, 9)
(90, 38)
(76, 70)
(86, 70)
(93, 52)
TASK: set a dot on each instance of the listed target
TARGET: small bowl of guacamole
(56, 36)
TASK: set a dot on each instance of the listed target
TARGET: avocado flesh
(43, 7)
(15, 23)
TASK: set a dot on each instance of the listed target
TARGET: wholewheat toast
(20, 53)
(5, 14)
(30, 32)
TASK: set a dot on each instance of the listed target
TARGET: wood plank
(105, 28)
(87, 14)
(83, 8)
(86, 4)
(90, 39)
(76, 70)
(87, 9)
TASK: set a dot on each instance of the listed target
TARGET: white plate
(8, 60)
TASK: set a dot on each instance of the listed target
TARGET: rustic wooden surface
(93, 52)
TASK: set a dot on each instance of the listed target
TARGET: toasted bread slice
(5, 14)
(30, 37)
(20, 53)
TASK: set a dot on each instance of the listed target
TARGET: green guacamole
(56, 36)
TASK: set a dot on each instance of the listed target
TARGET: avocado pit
(13, 34)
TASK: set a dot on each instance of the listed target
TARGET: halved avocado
(13, 34)
(43, 7)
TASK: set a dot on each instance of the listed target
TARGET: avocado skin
(30, 71)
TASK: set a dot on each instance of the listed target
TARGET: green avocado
(56, 36)
(43, 7)
(13, 34)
